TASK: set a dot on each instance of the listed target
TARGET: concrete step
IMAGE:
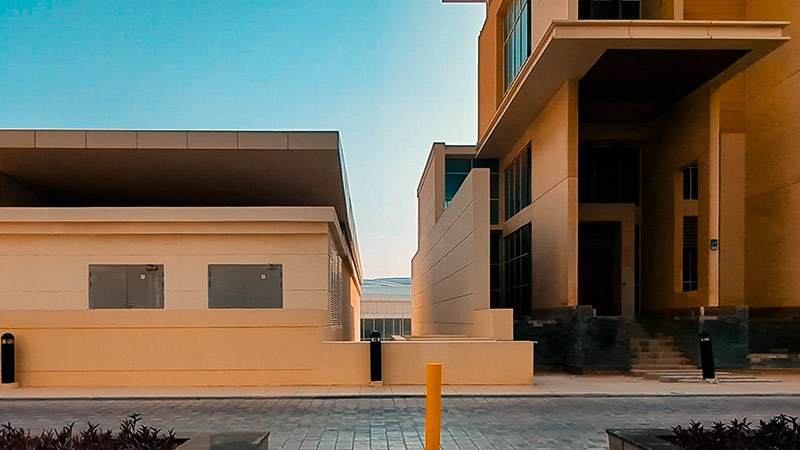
(662, 367)
(663, 361)
(720, 378)
(651, 340)
(659, 354)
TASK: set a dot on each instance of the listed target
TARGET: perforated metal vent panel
(334, 286)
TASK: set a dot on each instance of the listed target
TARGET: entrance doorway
(599, 267)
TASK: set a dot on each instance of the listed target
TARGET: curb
(385, 396)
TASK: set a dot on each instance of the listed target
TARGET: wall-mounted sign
(714, 245)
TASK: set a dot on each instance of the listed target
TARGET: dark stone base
(574, 339)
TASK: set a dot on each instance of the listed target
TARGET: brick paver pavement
(398, 423)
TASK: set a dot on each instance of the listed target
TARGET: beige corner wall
(682, 135)
(450, 271)
(772, 160)
(553, 213)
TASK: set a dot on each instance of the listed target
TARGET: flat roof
(150, 168)
(569, 50)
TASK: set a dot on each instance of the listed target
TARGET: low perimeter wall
(234, 348)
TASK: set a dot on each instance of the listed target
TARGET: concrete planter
(226, 441)
(642, 439)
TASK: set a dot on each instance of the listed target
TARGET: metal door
(245, 286)
(117, 286)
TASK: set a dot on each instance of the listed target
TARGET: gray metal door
(245, 286)
(116, 286)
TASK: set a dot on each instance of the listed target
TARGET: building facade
(386, 307)
(635, 166)
(198, 258)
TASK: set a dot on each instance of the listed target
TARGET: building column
(713, 198)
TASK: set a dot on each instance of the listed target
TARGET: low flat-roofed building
(197, 258)
(386, 307)
(148, 231)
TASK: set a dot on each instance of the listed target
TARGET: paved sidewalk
(545, 385)
(399, 423)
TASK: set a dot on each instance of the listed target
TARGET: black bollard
(7, 358)
(375, 369)
(707, 357)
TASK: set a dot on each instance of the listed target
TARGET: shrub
(131, 436)
(781, 432)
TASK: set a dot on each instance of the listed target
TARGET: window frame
(523, 7)
(518, 180)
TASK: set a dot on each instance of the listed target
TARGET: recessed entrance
(599, 267)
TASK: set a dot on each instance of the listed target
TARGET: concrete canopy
(570, 49)
(78, 168)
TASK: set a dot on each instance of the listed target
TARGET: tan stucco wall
(681, 136)
(45, 264)
(234, 348)
(450, 271)
(553, 213)
(713, 9)
(772, 161)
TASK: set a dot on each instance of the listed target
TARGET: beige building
(636, 161)
(195, 258)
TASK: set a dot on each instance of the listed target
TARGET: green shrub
(781, 432)
(131, 436)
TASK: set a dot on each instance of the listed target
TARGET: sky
(392, 76)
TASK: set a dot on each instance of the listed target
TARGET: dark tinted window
(518, 183)
(609, 9)
(517, 271)
(690, 253)
(456, 170)
(691, 184)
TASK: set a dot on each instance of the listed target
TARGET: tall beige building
(636, 171)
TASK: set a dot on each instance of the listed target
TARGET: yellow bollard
(433, 406)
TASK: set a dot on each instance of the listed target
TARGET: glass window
(518, 183)
(456, 170)
(609, 9)
(690, 182)
(517, 42)
(495, 242)
(690, 253)
(517, 265)
(407, 327)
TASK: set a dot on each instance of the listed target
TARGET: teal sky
(392, 75)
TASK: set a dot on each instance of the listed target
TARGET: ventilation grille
(690, 232)
(334, 286)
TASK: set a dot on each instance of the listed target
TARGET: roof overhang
(79, 168)
(569, 49)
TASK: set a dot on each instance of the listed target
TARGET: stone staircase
(656, 353)
(658, 358)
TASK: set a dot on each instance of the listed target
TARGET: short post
(7, 369)
(375, 366)
(707, 357)
(433, 406)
